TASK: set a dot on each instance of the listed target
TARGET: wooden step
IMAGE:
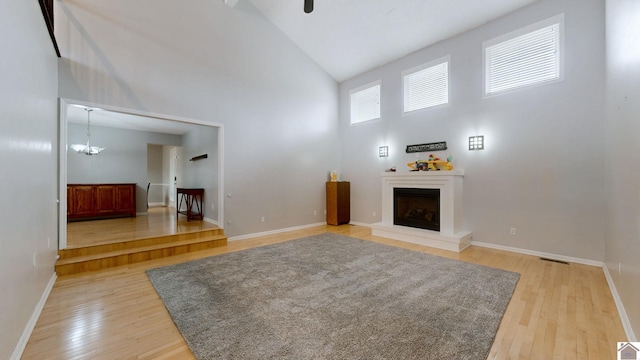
(129, 252)
(136, 243)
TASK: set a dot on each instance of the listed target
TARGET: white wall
(623, 165)
(542, 169)
(28, 157)
(155, 174)
(202, 173)
(123, 161)
(206, 61)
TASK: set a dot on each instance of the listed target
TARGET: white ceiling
(345, 37)
(349, 37)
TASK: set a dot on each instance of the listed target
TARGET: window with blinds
(426, 85)
(526, 57)
(365, 103)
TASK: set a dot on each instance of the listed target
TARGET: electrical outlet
(373, 214)
(513, 231)
(315, 212)
(34, 259)
(213, 206)
(325, 211)
(262, 219)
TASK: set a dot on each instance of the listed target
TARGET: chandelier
(88, 149)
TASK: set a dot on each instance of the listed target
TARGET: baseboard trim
(26, 334)
(157, 204)
(524, 251)
(538, 254)
(210, 221)
(271, 232)
(626, 323)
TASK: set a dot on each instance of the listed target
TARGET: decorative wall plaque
(437, 146)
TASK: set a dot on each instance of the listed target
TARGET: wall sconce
(383, 151)
(476, 142)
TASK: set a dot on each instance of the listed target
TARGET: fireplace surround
(450, 236)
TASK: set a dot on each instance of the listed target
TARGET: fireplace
(433, 218)
(418, 208)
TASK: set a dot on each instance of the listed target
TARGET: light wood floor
(158, 221)
(557, 311)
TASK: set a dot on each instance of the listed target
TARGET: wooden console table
(191, 197)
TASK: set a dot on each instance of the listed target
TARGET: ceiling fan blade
(308, 6)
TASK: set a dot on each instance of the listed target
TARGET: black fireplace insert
(418, 208)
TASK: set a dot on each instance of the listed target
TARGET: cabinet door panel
(82, 201)
(126, 199)
(105, 199)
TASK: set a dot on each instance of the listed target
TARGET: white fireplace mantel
(451, 236)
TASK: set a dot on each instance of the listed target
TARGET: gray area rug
(334, 297)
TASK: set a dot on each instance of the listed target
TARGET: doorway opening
(125, 160)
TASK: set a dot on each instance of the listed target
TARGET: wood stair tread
(139, 249)
(71, 252)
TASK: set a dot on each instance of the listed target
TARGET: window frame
(431, 64)
(554, 20)
(352, 92)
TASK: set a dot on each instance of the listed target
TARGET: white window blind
(526, 59)
(365, 103)
(426, 86)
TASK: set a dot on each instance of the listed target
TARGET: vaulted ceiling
(347, 37)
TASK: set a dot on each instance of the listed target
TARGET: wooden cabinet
(89, 201)
(338, 202)
(80, 200)
(126, 199)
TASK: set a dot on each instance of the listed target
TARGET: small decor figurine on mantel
(431, 164)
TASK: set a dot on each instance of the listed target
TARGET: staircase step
(128, 253)
(137, 243)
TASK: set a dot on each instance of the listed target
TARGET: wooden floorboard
(557, 311)
(159, 221)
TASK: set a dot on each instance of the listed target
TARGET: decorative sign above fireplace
(437, 146)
